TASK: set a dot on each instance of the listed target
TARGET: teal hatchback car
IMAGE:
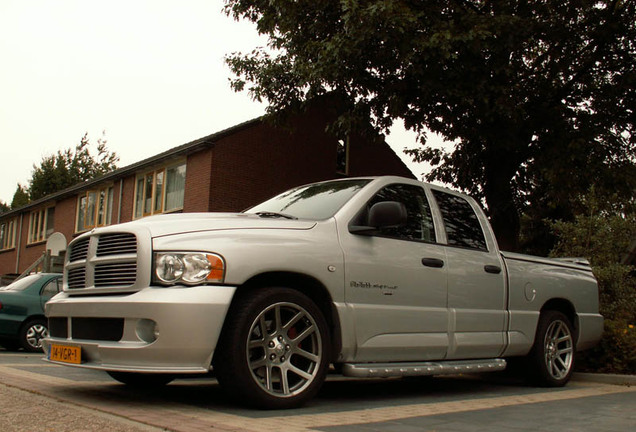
(22, 321)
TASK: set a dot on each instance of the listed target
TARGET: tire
(551, 360)
(141, 380)
(274, 349)
(32, 333)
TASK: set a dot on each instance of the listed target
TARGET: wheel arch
(33, 318)
(565, 307)
(309, 286)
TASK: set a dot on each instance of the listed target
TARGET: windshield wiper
(267, 214)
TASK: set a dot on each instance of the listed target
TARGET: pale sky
(150, 73)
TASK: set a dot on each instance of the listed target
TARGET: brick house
(227, 171)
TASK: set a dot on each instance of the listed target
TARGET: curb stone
(624, 380)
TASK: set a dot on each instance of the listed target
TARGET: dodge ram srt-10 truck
(379, 277)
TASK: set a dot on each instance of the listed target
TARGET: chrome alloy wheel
(284, 349)
(35, 334)
(558, 349)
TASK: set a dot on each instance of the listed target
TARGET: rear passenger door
(476, 281)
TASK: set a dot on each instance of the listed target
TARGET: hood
(169, 224)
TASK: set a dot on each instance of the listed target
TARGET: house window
(41, 224)
(94, 208)
(342, 156)
(7, 234)
(160, 191)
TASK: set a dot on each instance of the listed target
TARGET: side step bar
(386, 370)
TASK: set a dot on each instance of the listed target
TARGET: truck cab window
(419, 222)
(461, 223)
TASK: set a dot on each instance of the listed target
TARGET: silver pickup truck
(376, 277)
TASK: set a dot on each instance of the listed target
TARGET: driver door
(395, 282)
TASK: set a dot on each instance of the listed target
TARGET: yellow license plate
(65, 354)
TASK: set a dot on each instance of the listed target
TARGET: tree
(20, 197)
(68, 167)
(4, 207)
(538, 96)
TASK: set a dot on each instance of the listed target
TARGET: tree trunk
(504, 217)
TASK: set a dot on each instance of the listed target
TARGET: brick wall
(257, 163)
(197, 183)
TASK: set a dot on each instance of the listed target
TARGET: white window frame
(38, 225)
(7, 234)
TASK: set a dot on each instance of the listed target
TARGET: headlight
(190, 268)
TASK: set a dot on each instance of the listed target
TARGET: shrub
(604, 239)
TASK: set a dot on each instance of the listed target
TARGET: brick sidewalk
(49, 397)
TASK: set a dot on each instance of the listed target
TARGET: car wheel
(274, 350)
(32, 333)
(141, 380)
(551, 359)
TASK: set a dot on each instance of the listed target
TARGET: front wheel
(32, 333)
(551, 359)
(274, 349)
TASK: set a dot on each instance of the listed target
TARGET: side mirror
(385, 214)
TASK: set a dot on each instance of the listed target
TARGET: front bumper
(186, 322)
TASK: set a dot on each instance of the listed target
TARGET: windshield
(23, 283)
(315, 201)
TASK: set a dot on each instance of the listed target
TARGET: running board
(386, 370)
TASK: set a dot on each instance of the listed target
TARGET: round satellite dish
(56, 243)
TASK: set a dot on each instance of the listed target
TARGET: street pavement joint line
(377, 415)
(30, 365)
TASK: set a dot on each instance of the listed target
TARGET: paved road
(37, 396)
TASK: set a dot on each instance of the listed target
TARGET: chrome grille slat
(116, 244)
(115, 275)
(79, 250)
(77, 278)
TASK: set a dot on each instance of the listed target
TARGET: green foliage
(538, 96)
(68, 167)
(604, 237)
(4, 207)
(20, 197)
(616, 352)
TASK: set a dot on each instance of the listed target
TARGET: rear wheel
(274, 349)
(32, 333)
(141, 380)
(551, 359)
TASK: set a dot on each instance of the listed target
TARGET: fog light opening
(147, 330)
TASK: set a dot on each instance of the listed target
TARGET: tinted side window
(51, 288)
(419, 222)
(461, 223)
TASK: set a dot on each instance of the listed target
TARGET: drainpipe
(121, 194)
(19, 246)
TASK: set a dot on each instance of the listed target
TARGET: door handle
(433, 262)
(492, 269)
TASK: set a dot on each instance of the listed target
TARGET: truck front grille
(102, 261)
